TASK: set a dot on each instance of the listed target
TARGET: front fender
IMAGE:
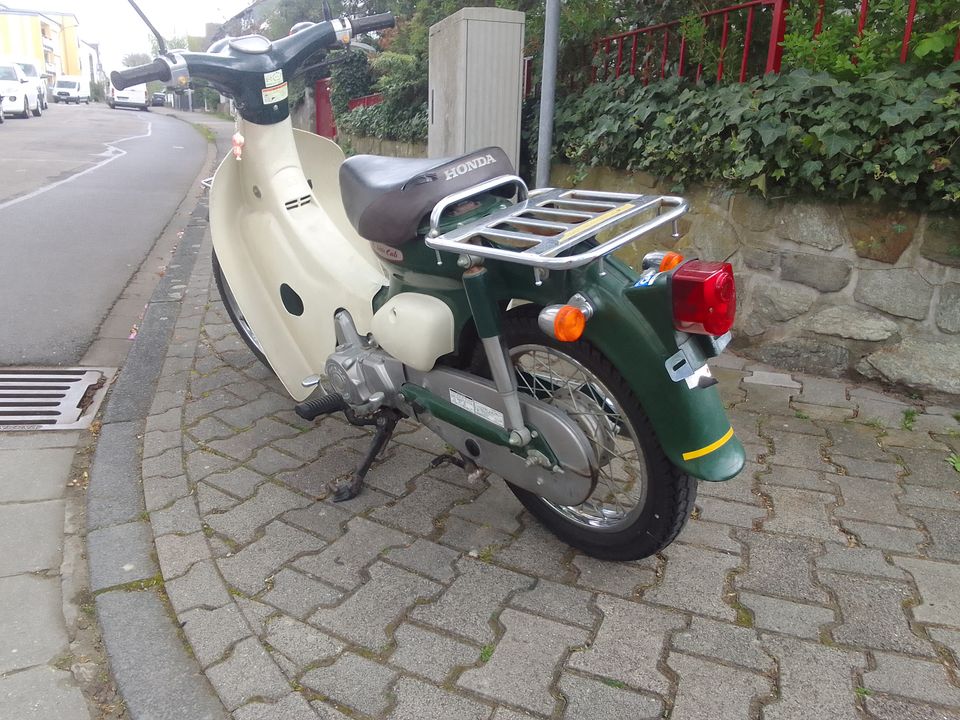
(632, 326)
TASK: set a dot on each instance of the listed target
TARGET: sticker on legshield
(274, 94)
(272, 79)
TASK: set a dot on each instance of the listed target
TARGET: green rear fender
(692, 425)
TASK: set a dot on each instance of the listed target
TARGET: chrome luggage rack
(547, 222)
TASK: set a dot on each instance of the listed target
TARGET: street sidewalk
(823, 582)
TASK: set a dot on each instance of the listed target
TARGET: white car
(36, 78)
(17, 93)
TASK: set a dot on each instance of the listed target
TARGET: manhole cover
(51, 398)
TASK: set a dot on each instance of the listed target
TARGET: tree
(134, 59)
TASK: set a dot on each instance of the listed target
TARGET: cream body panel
(414, 328)
(261, 244)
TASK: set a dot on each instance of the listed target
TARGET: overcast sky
(119, 30)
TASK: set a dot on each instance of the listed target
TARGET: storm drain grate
(51, 398)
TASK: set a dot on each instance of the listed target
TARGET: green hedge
(382, 121)
(881, 136)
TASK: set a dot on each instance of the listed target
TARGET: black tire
(670, 494)
(249, 339)
(39, 111)
(26, 109)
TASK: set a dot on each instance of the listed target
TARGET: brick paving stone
(416, 511)
(729, 513)
(780, 565)
(723, 641)
(899, 438)
(397, 468)
(786, 617)
(852, 440)
(180, 517)
(353, 681)
(589, 699)
(292, 707)
(708, 534)
(496, 507)
(885, 537)
(871, 501)
(824, 412)
(177, 553)
(857, 560)
(247, 674)
(502, 713)
(156, 442)
(467, 536)
(250, 568)
(200, 587)
(299, 595)
(242, 445)
(159, 492)
(885, 412)
(800, 478)
(767, 400)
(218, 400)
(697, 696)
(427, 558)
(889, 708)
(773, 379)
(930, 498)
(211, 429)
(746, 425)
(855, 467)
(270, 461)
(739, 489)
(239, 482)
(342, 561)
(247, 414)
(170, 420)
(307, 445)
(242, 522)
(560, 602)
(255, 613)
(301, 643)
(873, 614)
(327, 521)
(785, 424)
(694, 580)
(537, 551)
(820, 391)
(948, 638)
(466, 608)
(212, 632)
(218, 378)
(418, 700)
(312, 479)
(364, 617)
(616, 578)
(520, 671)
(944, 529)
(802, 512)
(628, 644)
(326, 712)
(201, 463)
(802, 451)
(210, 500)
(813, 676)
(915, 679)
(939, 586)
(167, 464)
(928, 468)
(429, 654)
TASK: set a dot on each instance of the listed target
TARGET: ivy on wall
(881, 136)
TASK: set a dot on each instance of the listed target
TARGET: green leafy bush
(351, 78)
(882, 136)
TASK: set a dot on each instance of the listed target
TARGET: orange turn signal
(670, 261)
(568, 324)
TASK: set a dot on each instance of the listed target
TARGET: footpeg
(312, 409)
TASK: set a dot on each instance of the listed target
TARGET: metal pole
(548, 89)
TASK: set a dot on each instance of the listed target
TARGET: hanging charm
(237, 141)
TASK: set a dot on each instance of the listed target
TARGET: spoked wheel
(233, 310)
(640, 501)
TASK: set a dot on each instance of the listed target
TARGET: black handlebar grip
(157, 70)
(372, 22)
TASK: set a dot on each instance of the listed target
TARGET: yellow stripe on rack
(693, 454)
(626, 207)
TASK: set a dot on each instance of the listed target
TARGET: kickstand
(349, 487)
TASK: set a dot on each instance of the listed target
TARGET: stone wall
(375, 146)
(856, 290)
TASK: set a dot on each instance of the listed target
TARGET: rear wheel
(236, 316)
(26, 109)
(641, 501)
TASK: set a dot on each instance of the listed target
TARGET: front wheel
(233, 310)
(641, 500)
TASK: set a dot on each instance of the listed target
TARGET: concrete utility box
(476, 82)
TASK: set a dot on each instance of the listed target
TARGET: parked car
(18, 95)
(159, 99)
(37, 79)
(134, 96)
(72, 89)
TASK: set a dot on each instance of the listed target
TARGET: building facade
(51, 39)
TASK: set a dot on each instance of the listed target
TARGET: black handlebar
(372, 22)
(156, 70)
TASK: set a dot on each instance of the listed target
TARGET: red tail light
(704, 297)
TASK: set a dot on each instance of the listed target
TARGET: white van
(134, 96)
(71, 89)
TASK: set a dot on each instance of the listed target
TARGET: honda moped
(444, 290)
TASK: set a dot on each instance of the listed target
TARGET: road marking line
(114, 153)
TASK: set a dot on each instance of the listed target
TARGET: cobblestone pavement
(823, 582)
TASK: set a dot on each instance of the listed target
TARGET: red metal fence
(365, 101)
(755, 28)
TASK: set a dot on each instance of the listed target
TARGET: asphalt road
(84, 193)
